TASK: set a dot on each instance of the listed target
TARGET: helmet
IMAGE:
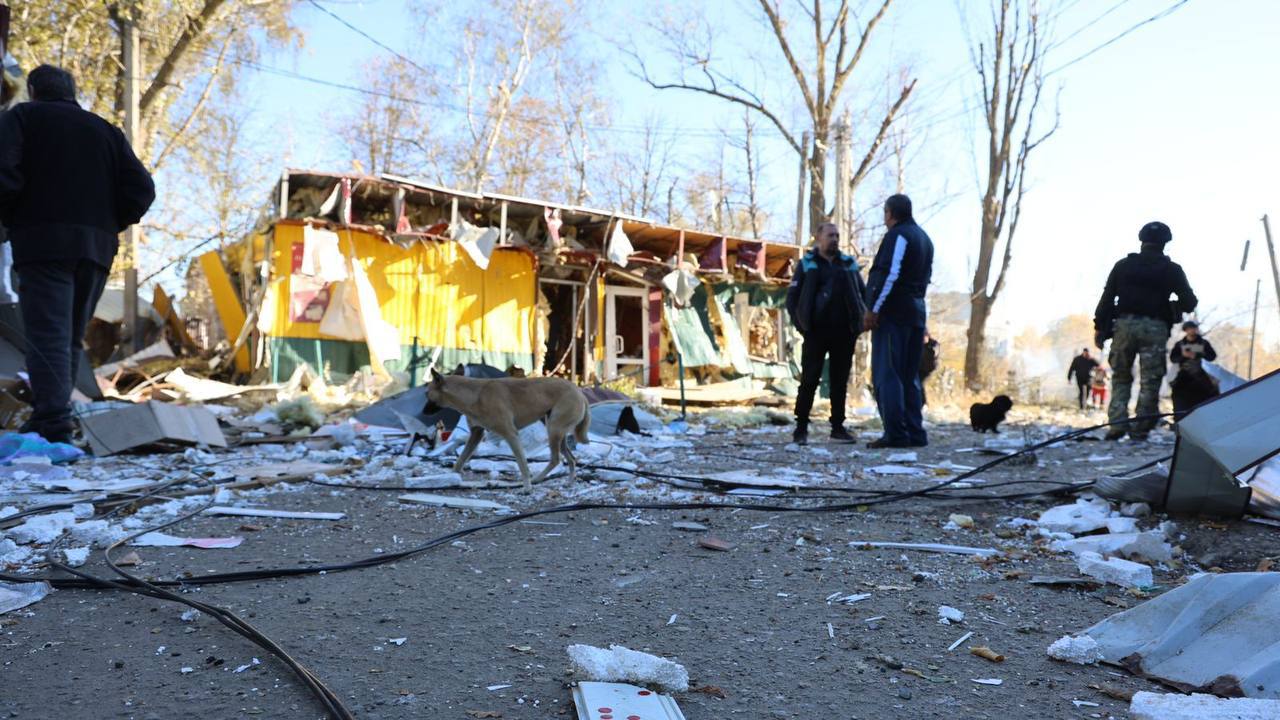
(1155, 232)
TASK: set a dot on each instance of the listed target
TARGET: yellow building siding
(431, 291)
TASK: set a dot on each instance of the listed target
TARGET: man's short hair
(899, 206)
(48, 82)
(1190, 324)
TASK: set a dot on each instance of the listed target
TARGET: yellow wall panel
(431, 291)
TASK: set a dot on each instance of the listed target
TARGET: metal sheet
(1216, 634)
(619, 701)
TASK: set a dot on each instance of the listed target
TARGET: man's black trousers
(819, 345)
(57, 301)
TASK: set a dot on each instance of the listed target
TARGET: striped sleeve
(895, 269)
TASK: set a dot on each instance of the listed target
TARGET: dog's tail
(580, 430)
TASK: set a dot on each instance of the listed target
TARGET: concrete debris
(97, 533)
(1115, 570)
(948, 615)
(1081, 650)
(620, 664)
(960, 521)
(1135, 510)
(1172, 706)
(19, 595)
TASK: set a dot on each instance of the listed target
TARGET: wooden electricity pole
(1271, 248)
(132, 95)
(804, 175)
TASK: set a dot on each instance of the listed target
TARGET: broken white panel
(477, 242)
(895, 470)
(1115, 570)
(621, 664)
(159, 539)
(621, 700)
(928, 547)
(753, 478)
(19, 595)
(42, 528)
(1215, 633)
(620, 248)
(454, 502)
(904, 457)
(1175, 706)
(265, 512)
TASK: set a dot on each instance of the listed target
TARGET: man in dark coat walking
(896, 316)
(69, 184)
(825, 305)
(1082, 369)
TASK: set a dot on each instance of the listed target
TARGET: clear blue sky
(1175, 122)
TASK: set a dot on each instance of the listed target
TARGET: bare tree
(389, 130)
(639, 179)
(751, 156)
(821, 53)
(1010, 67)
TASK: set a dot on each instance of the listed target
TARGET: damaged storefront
(395, 275)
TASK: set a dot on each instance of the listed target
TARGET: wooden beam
(230, 312)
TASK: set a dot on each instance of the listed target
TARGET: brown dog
(505, 405)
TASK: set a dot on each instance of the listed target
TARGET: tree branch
(195, 110)
(874, 150)
(775, 20)
(842, 73)
(168, 66)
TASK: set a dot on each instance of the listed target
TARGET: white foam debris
(1136, 510)
(620, 664)
(1081, 650)
(1150, 545)
(1175, 706)
(42, 528)
(948, 615)
(82, 511)
(1122, 525)
(1115, 570)
(98, 533)
(1082, 516)
(10, 553)
(76, 556)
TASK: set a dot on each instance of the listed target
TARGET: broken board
(605, 701)
(148, 423)
(264, 512)
(451, 501)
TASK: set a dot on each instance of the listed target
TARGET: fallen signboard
(602, 699)
(126, 428)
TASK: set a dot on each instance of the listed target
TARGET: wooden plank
(230, 312)
(163, 305)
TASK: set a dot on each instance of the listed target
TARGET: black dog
(988, 416)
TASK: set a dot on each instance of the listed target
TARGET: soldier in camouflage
(1136, 314)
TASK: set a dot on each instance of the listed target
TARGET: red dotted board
(619, 701)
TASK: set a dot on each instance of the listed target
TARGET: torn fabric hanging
(620, 248)
(478, 242)
(1221, 446)
(321, 257)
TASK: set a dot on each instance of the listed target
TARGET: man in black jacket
(1082, 369)
(69, 184)
(1192, 385)
(896, 316)
(1136, 314)
(825, 305)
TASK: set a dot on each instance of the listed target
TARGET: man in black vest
(896, 315)
(69, 184)
(825, 305)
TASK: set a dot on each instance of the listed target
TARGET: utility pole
(1253, 334)
(132, 95)
(844, 173)
(1271, 248)
(804, 176)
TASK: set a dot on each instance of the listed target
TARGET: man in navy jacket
(896, 315)
(825, 304)
(69, 184)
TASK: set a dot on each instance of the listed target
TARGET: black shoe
(1115, 434)
(839, 434)
(1138, 435)
(801, 435)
